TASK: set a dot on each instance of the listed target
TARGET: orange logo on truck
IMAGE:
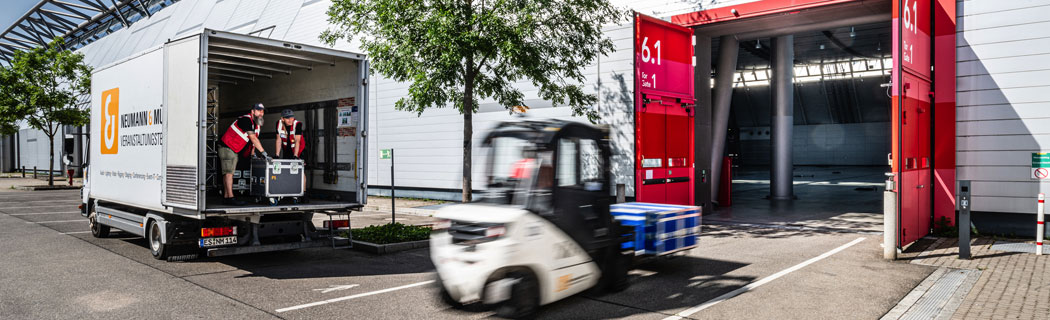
(110, 109)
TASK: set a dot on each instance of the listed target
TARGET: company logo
(110, 125)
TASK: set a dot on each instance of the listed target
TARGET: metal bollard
(34, 172)
(621, 193)
(23, 171)
(963, 223)
(1039, 226)
(889, 218)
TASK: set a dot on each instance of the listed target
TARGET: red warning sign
(1040, 173)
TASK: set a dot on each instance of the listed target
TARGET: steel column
(702, 121)
(782, 118)
(723, 94)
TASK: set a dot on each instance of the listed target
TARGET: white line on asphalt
(59, 221)
(37, 213)
(31, 207)
(314, 304)
(76, 232)
(750, 286)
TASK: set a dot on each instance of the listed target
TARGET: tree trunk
(468, 127)
(51, 161)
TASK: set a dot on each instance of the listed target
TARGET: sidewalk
(1012, 285)
(377, 212)
(11, 182)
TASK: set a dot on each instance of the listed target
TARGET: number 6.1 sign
(663, 56)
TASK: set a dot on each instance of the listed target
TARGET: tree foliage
(46, 88)
(455, 52)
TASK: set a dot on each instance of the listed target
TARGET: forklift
(542, 231)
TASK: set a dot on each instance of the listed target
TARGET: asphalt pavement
(52, 267)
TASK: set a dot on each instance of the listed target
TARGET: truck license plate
(219, 241)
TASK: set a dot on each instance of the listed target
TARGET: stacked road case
(659, 229)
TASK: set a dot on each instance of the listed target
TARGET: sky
(12, 10)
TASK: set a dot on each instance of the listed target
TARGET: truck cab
(542, 230)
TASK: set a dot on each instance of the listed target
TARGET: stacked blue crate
(659, 228)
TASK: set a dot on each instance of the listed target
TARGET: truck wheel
(156, 246)
(524, 297)
(97, 229)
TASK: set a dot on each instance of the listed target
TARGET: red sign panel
(663, 112)
(912, 25)
(663, 56)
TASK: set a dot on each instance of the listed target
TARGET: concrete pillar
(780, 181)
(723, 93)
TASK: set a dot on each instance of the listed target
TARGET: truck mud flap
(228, 251)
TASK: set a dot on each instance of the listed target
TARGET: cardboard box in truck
(156, 122)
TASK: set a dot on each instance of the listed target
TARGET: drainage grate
(937, 297)
(1018, 247)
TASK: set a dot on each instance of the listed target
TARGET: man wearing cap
(290, 144)
(240, 139)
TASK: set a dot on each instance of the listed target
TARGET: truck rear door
(183, 136)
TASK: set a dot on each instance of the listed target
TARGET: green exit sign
(1040, 160)
(384, 154)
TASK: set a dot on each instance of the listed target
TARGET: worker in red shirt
(240, 139)
(290, 144)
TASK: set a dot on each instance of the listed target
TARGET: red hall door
(664, 104)
(911, 112)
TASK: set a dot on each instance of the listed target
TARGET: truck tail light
(218, 232)
(336, 224)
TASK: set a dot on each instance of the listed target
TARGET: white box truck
(156, 122)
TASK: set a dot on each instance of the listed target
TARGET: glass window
(591, 161)
(567, 154)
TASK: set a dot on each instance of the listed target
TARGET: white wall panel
(1003, 111)
(1003, 65)
(1037, 78)
(993, 158)
(220, 15)
(986, 52)
(1002, 143)
(1004, 127)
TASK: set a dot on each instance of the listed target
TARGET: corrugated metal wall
(1003, 113)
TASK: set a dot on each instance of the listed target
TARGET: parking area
(52, 267)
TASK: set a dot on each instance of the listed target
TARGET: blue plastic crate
(659, 228)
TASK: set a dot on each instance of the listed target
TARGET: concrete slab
(847, 198)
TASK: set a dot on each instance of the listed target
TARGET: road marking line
(314, 304)
(750, 286)
(31, 207)
(37, 213)
(59, 221)
(76, 232)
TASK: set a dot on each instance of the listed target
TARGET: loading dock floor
(846, 198)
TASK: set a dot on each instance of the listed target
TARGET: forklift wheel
(524, 297)
(447, 299)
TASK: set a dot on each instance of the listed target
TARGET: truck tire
(156, 245)
(97, 229)
(524, 297)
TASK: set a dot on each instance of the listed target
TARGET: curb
(411, 211)
(390, 247)
(43, 188)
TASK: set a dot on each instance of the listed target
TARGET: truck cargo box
(659, 229)
(157, 118)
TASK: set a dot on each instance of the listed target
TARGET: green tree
(456, 52)
(44, 87)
